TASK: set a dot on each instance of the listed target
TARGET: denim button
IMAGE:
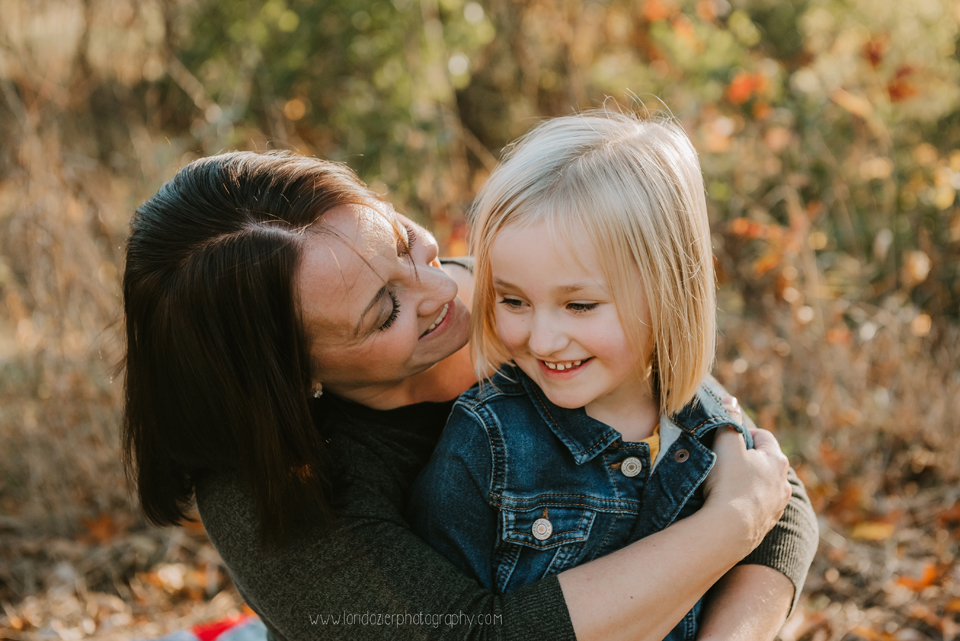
(631, 466)
(681, 456)
(542, 529)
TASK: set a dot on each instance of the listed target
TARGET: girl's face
(376, 310)
(556, 316)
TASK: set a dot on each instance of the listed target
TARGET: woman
(293, 349)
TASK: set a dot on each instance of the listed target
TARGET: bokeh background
(829, 135)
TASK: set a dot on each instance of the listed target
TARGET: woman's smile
(440, 319)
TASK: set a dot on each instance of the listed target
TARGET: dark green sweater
(369, 577)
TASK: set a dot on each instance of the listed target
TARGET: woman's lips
(439, 322)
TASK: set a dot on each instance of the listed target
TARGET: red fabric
(210, 631)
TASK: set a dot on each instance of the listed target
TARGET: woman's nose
(546, 336)
(430, 248)
(436, 288)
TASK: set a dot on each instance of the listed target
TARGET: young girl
(601, 302)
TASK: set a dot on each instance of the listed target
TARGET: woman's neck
(443, 382)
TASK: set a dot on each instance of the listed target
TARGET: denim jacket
(518, 488)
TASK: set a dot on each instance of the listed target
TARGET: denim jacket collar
(587, 437)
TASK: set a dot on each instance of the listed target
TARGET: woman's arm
(350, 581)
(750, 603)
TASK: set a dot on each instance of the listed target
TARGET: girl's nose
(546, 337)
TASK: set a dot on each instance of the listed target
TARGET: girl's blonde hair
(632, 187)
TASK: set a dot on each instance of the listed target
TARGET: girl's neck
(635, 416)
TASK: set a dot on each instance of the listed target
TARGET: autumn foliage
(829, 136)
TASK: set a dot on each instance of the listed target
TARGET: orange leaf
(101, 529)
(899, 90)
(655, 10)
(739, 226)
(839, 336)
(744, 85)
(927, 578)
(872, 635)
(768, 262)
(706, 10)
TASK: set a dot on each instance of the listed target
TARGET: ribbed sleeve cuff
(537, 611)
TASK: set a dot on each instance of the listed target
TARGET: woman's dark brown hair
(217, 364)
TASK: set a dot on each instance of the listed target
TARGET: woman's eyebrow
(376, 299)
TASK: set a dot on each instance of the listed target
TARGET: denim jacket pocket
(539, 541)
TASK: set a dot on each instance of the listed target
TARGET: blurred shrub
(828, 130)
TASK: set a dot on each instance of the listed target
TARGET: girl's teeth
(563, 366)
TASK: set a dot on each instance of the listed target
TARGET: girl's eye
(405, 246)
(511, 303)
(393, 314)
(580, 308)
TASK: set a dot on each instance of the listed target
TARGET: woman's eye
(581, 308)
(393, 313)
(511, 303)
(404, 247)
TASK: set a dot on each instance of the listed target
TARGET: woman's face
(377, 309)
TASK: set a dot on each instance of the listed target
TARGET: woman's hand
(752, 482)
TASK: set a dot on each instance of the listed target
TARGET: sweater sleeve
(790, 546)
(369, 577)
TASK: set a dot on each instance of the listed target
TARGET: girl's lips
(564, 373)
(444, 321)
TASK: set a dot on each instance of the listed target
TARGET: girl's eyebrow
(575, 287)
(563, 289)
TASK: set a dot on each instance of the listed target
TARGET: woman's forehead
(343, 265)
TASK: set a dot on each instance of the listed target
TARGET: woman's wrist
(733, 523)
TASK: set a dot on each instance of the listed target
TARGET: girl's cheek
(510, 331)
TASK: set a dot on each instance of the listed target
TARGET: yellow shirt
(654, 442)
